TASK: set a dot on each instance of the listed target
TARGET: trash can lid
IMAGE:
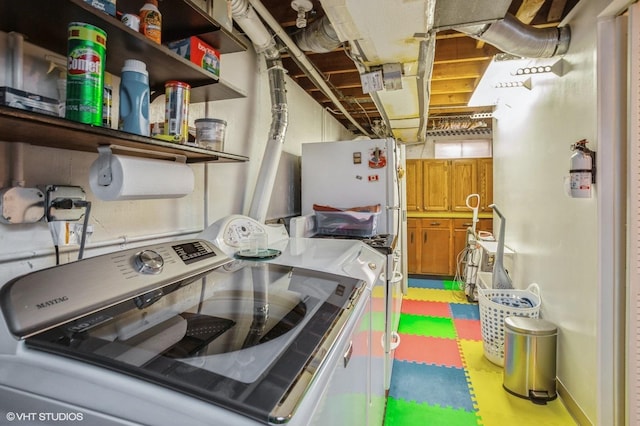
(533, 326)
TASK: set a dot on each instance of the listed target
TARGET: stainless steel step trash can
(530, 358)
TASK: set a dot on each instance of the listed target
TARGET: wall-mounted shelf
(17, 125)
(44, 23)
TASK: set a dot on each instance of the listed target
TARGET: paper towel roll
(134, 178)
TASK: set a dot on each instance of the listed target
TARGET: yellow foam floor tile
(432, 295)
(497, 407)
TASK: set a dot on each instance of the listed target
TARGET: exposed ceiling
(459, 60)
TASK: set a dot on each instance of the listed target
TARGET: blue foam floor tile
(465, 311)
(430, 384)
(426, 283)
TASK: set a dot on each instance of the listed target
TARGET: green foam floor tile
(409, 413)
(427, 326)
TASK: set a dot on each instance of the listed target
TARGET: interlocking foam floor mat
(440, 375)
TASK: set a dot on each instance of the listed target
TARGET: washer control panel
(193, 251)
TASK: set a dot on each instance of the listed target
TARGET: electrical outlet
(60, 202)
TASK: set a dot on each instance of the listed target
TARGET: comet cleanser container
(86, 52)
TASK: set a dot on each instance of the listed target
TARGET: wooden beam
(459, 71)
(528, 10)
(556, 10)
(452, 86)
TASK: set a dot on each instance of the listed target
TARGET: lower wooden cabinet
(435, 244)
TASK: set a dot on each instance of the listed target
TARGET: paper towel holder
(105, 152)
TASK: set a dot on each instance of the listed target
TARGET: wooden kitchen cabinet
(435, 186)
(464, 181)
(413, 245)
(443, 185)
(414, 185)
(435, 246)
(485, 184)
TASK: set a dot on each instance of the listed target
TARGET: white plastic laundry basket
(493, 313)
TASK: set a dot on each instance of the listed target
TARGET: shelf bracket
(105, 155)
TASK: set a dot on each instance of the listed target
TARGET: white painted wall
(554, 235)
(221, 189)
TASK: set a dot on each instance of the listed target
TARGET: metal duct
(246, 17)
(318, 37)
(516, 38)
(273, 150)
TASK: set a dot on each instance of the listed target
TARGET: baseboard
(572, 406)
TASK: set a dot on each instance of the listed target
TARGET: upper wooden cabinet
(464, 181)
(485, 183)
(443, 185)
(435, 186)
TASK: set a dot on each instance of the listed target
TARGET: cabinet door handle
(425, 238)
(435, 223)
(467, 224)
(412, 238)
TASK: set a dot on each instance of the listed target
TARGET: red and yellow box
(198, 52)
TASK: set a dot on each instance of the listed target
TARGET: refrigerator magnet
(377, 158)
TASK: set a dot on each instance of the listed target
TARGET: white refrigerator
(348, 174)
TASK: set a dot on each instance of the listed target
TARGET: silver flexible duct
(516, 38)
(318, 37)
(273, 150)
(246, 17)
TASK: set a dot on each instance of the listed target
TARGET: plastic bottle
(151, 21)
(107, 101)
(134, 98)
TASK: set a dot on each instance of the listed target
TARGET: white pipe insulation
(246, 17)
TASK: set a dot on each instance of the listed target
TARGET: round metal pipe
(516, 38)
(303, 61)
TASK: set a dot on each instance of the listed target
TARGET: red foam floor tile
(420, 307)
(468, 329)
(428, 350)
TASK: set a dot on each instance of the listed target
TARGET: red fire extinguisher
(582, 173)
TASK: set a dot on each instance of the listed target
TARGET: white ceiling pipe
(301, 58)
(245, 16)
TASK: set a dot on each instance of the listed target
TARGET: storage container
(199, 53)
(347, 223)
(530, 358)
(498, 304)
(210, 133)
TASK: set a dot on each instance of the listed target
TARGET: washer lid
(532, 326)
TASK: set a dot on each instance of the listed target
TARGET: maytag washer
(180, 333)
